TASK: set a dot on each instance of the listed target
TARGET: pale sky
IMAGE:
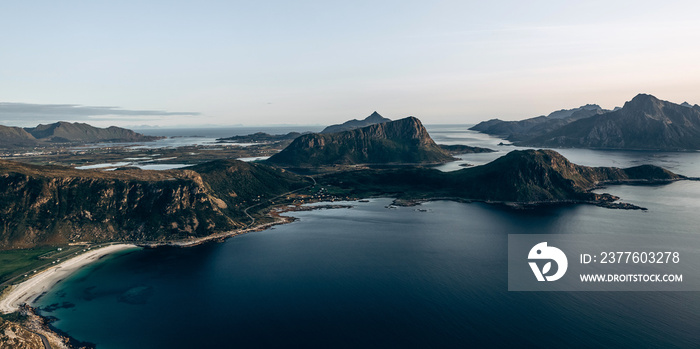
(322, 62)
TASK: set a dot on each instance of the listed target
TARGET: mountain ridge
(66, 132)
(63, 131)
(404, 141)
(521, 176)
(374, 118)
(643, 123)
(523, 129)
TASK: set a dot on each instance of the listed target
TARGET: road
(47, 345)
(252, 219)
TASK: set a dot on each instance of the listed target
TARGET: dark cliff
(55, 205)
(403, 141)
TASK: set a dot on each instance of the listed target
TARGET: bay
(369, 276)
(373, 277)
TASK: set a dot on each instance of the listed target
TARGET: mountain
(15, 137)
(64, 132)
(261, 137)
(375, 118)
(528, 128)
(527, 176)
(645, 122)
(403, 141)
(43, 205)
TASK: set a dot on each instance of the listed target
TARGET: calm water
(369, 276)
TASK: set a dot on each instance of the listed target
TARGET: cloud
(27, 113)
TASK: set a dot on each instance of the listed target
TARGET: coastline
(274, 212)
(29, 290)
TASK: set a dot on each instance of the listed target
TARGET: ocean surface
(434, 275)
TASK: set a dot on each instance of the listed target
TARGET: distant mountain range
(375, 118)
(644, 123)
(403, 141)
(528, 128)
(66, 132)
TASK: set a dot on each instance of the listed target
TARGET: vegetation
(16, 263)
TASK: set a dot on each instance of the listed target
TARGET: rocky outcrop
(403, 141)
(374, 118)
(55, 205)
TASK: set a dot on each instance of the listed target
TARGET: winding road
(252, 219)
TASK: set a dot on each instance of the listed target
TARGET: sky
(204, 63)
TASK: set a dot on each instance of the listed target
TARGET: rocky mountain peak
(643, 101)
(376, 118)
(401, 141)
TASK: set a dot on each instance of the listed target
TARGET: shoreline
(274, 212)
(33, 288)
(30, 290)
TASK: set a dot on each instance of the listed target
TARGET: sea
(373, 275)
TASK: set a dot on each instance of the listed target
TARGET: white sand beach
(29, 290)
